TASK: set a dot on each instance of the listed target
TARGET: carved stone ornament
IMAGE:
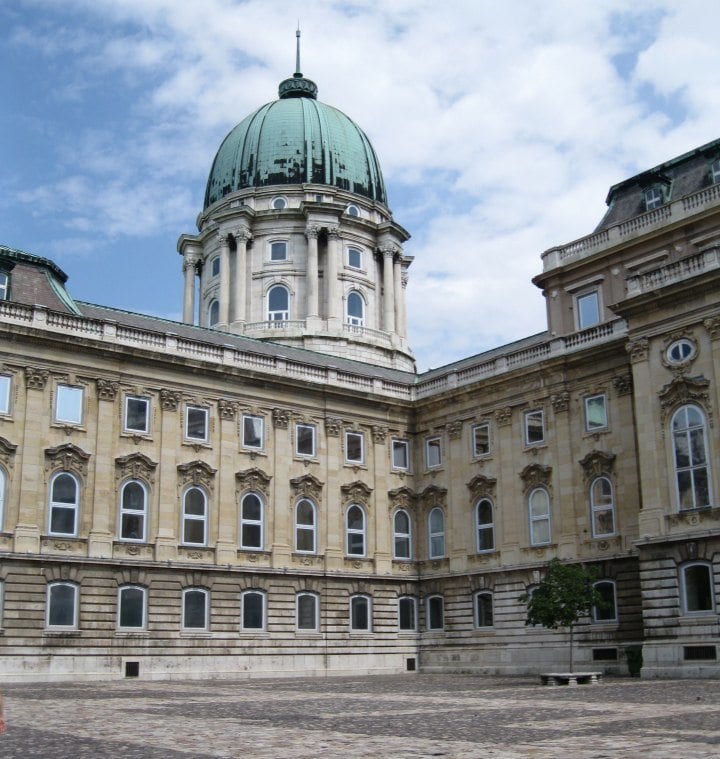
(597, 463)
(312, 231)
(196, 473)
(623, 384)
(454, 429)
(638, 349)
(560, 401)
(242, 234)
(480, 485)
(281, 418)
(433, 495)
(684, 390)
(402, 498)
(379, 434)
(227, 409)
(135, 466)
(169, 400)
(356, 492)
(712, 325)
(7, 452)
(389, 250)
(307, 485)
(107, 390)
(503, 416)
(68, 457)
(253, 479)
(333, 425)
(535, 475)
(333, 231)
(36, 379)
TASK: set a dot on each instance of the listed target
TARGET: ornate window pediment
(196, 473)
(253, 479)
(135, 466)
(684, 390)
(402, 498)
(7, 452)
(597, 463)
(536, 475)
(357, 492)
(308, 486)
(433, 495)
(67, 456)
(480, 486)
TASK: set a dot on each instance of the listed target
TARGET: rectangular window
(196, 424)
(305, 439)
(400, 455)
(354, 447)
(131, 608)
(481, 439)
(355, 258)
(484, 610)
(433, 452)
(195, 606)
(654, 198)
(435, 613)
(69, 404)
(4, 394)
(4, 282)
(278, 251)
(252, 616)
(534, 427)
(252, 431)
(137, 415)
(307, 608)
(61, 606)
(588, 310)
(407, 614)
(360, 614)
(596, 413)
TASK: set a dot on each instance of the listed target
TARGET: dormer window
(278, 204)
(654, 198)
(4, 285)
(715, 171)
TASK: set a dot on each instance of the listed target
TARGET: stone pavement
(393, 717)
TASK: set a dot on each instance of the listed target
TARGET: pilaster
(169, 497)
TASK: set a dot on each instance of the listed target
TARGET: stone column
(333, 255)
(226, 542)
(190, 271)
(168, 513)
(313, 307)
(224, 279)
(388, 289)
(398, 296)
(242, 237)
(402, 309)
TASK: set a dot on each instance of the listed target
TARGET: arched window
(484, 609)
(355, 309)
(64, 504)
(133, 511)
(307, 612)
(539, 508)
(435, 613)
(602, 506)
(402, 534)
(607, 610)
(131, 607)
(251, 521)
(407, 613)
(195, 609)
(252, 610)
(213, 313)
(697, 587)
(690, 458)
(278, 304)
(355, 531)
(360, 614)
(305, 526)
(194, 527)
(215, 266)
(62, 606)
(436, 534)
(484, 527)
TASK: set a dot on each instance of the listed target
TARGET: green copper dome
(295, 140)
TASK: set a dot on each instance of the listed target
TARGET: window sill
(698, 618)
(531, 447)
(132, 634)
(197, 443)
(484, 630)
(61, 633)
(136, 437)
(204, 634)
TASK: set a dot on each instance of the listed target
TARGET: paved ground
(403, 717)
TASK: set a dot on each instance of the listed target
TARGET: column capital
(243, 234)
(333, 231)
(223, 238)
(389, 251)
(312, 231)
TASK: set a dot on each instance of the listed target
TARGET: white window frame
(145, 430)
(278, 203)
(484, 527)
(583, 322)
(254, 418)
(595, 611)
(206, 610)
(359, 436)
(5, 387)
(474, 441)
(263, 610)
(48, 606)
(684, 588)
(476, 609)
(278, 314)
(350, 255)
(428, 612)
(433, 443)
(681, 346)
(691, 468)
(527, 416)
(354, 532)
(4, 285)
(404, 445)
(404, 537)
(186, 519)
(313, 440)
(281, 248)
(3, 493)
(536, 519)
(715, 171)
(316, 611)
(356, 599)
(252, 522)
(436, 534)
(353, 319)
(201, 411)
(142, 514)
(215, 266)
(654, 197)
(589, 426)
(121, 592)
(353, 210)
(413, 601)
(74, 507)
(596, 509)
(69, 392)
(305, 528)
(213, 312)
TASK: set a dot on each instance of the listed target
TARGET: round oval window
(679, 351)
(279, 204)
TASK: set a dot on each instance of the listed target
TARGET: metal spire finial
(297, 86)
(297, 52)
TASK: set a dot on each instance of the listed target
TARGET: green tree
(565, 594)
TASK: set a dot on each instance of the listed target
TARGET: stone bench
(571, 678)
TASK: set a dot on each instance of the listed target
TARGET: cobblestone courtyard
(406, 717)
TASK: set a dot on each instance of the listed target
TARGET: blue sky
(499, 127)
